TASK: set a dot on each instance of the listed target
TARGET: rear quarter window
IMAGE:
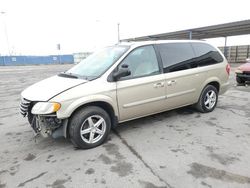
(206, 54)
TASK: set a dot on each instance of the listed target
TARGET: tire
(206, 104)
(239, 80)
(89, 127)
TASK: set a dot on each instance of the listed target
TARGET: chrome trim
(24, 106)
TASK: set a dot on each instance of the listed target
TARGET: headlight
(45, 107)
(238, 70)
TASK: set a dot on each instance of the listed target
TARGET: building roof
(214, 31)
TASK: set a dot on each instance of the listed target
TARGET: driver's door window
(141, 62)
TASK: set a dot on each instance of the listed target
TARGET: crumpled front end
(45, 125)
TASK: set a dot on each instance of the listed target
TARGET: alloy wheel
(93, 129)
(210, 99)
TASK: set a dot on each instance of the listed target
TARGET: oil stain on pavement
(201, 171)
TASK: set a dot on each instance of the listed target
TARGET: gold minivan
(124, 82)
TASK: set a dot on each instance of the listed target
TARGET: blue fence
(36, 60)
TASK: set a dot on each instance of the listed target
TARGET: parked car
(243, 72)
(125, 82)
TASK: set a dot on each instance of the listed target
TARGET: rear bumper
(224, 87)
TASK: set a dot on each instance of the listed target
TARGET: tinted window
(142, 62)
(177, 56)
(206, 54)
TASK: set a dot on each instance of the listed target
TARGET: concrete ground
(179, 148)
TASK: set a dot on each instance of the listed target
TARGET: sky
(35, 27)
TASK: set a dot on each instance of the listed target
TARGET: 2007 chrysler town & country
(125, 82)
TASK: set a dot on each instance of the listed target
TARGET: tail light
(228, 68)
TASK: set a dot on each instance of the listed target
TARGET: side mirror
(122, 72)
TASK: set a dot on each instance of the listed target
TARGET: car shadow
(147, 121)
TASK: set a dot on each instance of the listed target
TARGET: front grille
(24, 106)
(246, 72)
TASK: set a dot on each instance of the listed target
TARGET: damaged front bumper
(45, 125)
(49, 126)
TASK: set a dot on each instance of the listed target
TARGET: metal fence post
(248, 51)
(190, 35)
(236, 54)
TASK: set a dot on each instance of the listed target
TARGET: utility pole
(59, 53)
(5, 31)
(118, 31)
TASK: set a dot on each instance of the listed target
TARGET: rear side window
(177, 56)
(206, 54)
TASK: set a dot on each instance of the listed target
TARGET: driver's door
(143, 92)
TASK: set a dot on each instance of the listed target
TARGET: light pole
(118, 32)
(5, 31)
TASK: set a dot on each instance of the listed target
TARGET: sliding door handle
(171, 82)
(159, 84)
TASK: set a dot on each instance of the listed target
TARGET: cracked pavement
(178, 148)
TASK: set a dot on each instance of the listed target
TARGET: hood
(48, 88)
(245, 67)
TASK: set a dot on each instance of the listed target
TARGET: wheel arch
(102, 104)
(216, 84)
(199, 104)
(214, 81)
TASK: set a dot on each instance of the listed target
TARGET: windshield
(97, 63)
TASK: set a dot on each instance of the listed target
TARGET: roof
(214, 31)
(151, 41)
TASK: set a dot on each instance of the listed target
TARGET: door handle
(159, 84)
(171, 82)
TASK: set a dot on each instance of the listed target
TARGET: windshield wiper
(67, 75)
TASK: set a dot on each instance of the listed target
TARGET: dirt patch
(3, 171)
(30, 157)
(103, 181)
(113, 149)
(205, 184)
(213, 118)
(59, 183)
(122, 168)
(14, 169)
(105, 159)
(210, 123)
(223, 159)
(179, 150)
(198, 116)
(90, 171)
(49, 156)
(201, 171)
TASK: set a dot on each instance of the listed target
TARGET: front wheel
(89, 127)
(208, 99)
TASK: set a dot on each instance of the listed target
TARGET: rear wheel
(89, 127)
(208, 99)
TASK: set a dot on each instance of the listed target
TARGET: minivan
(124, 82)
